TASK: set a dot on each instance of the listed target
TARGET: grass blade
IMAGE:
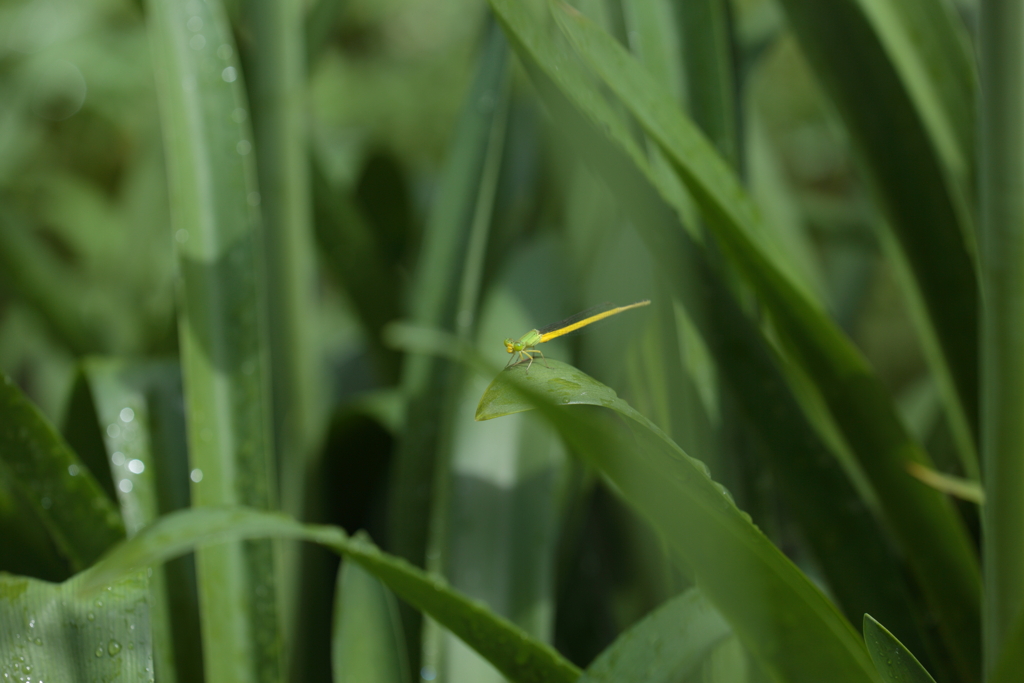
(138, 405)
(1002, 364)
(799, 455)
(276, 73)
(81, 519)
(519, 657)
(50, 633)
(367, 645)
(942, 557)
(903, 79)
(436, 289)
(223, 335)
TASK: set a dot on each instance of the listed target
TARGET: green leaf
(811, 473)
(664, 646)
(513, 652)
(778, 614)
(894, 662)
(137, 403)
(1011, 661)
(904, 82)
(1002, 364)
(497, 517)
(710, 77)
(274, 57)
(367, 645)
(48, 632)
(223, 336)
(430, 384)
(942, 558)
(81, 519)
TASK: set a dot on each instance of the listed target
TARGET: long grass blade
(222, 330)
(1002, 364)
(942, 558)
(742, 355)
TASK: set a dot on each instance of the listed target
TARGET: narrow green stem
(1002, 325)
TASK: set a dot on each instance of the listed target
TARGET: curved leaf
(664, 646)
(811, 471)
(778, 614)
(81, 519)
(507, 647)
(894, 662)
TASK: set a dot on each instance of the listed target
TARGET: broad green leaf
(367, 644)
(519, 657)
(48, 632)
(812, 474)
(667, 645)
(63, 494)
(223, 337)
(942, 558)
(894, 662)
(778, 614)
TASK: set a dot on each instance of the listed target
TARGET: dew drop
(229, 74)
(99, 651)
(196, 475)
(125, 485)
(113, 647)
(73, 470)
(126, 414)
(136, 466)
(113, 431)
(117, 457)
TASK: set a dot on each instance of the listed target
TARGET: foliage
(256, 259)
